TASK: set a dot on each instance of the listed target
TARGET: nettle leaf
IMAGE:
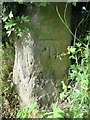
(64, 86)
(71, 49)
(57, 112)
(62, 95)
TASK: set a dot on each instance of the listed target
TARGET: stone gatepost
(38, 71)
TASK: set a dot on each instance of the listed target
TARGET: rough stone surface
(38, 71)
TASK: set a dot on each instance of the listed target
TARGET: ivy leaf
(9, 31)
(24, 19)
(9, 24)
(4, 18)
(10, 15)
(19, 34)
(19, 1)
(29, 28)
(88, 38)
(74, 3)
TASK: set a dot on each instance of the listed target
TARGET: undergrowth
(10, 98)
(75, 97)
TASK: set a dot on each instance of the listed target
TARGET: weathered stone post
(38, 71)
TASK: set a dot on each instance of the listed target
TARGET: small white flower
(84, 8)
(78, 91)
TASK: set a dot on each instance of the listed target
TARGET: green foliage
(73, 3)
(34, 112)
(78, 95)
(28, 112)
(33, 2)
(7, 59)
(40, 3)
(57, 112)
(19, 1)
(18, 24)
(15, 24)
(75, 97)
(10, 99)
